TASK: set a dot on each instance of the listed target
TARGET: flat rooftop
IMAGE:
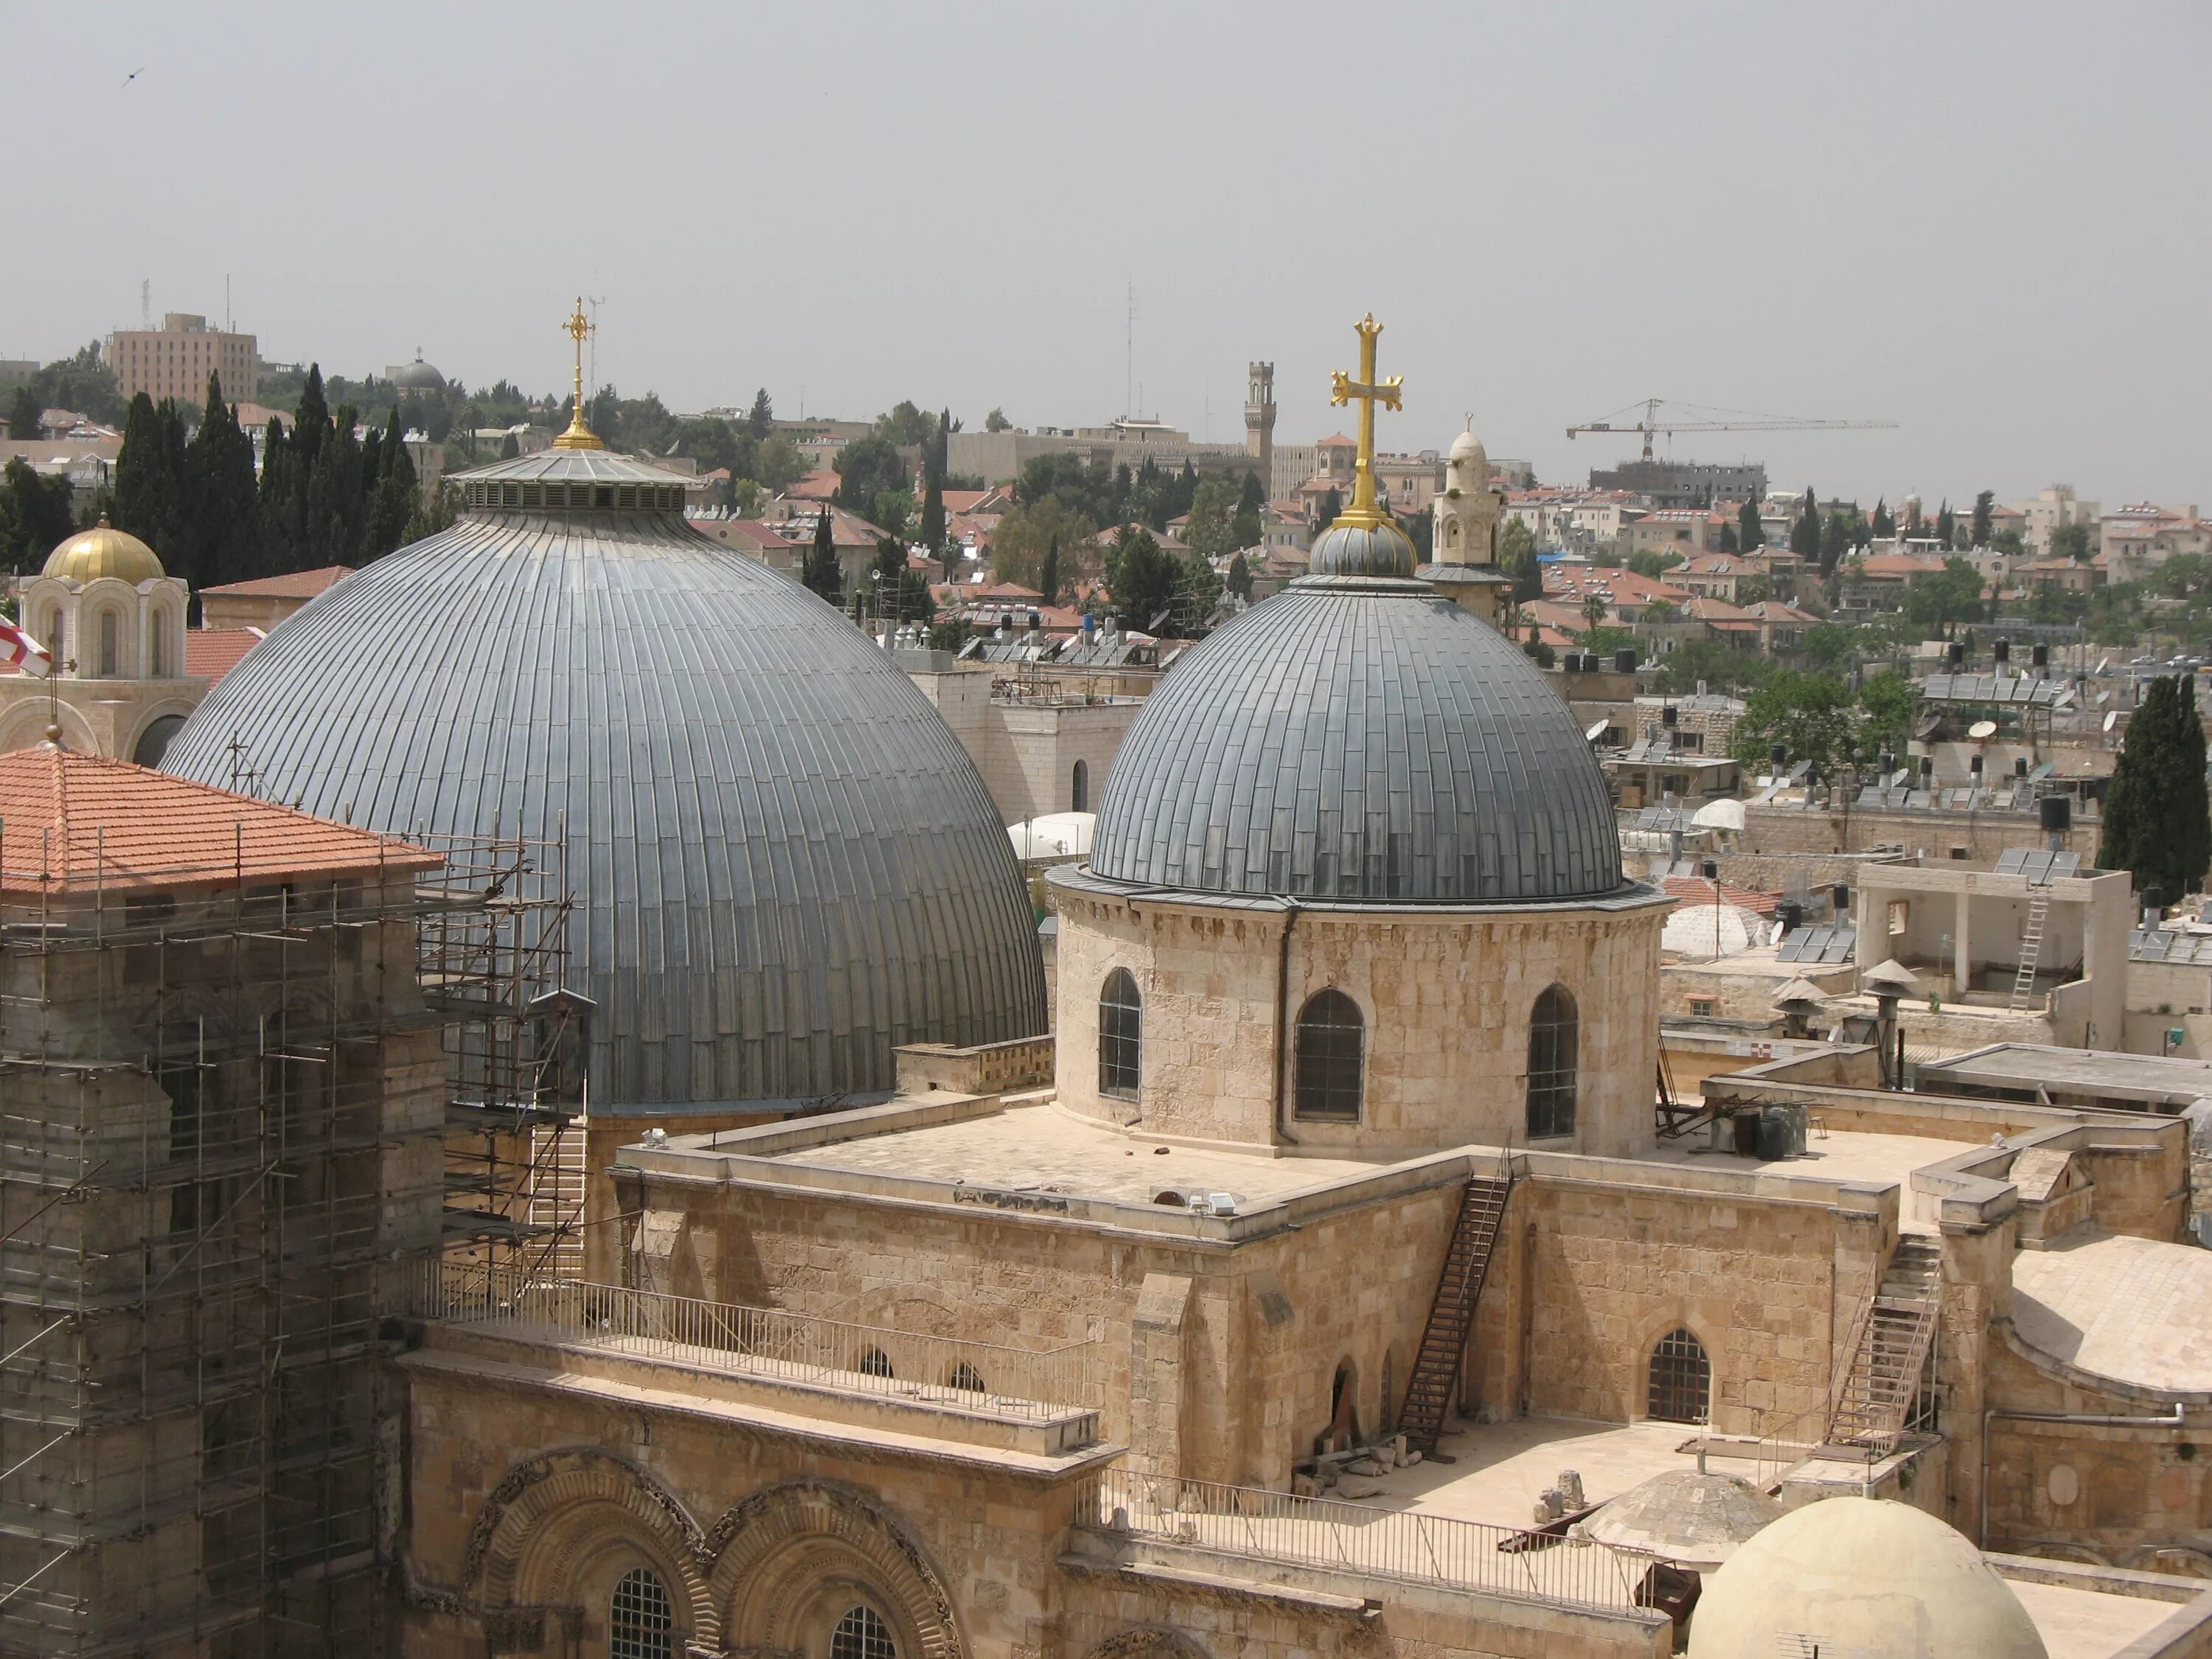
(2133, 1310)
(2074, 1072)
(1830, 1155)
(1044, 1148)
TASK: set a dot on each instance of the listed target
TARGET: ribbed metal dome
(786, 862)
(1358, 740)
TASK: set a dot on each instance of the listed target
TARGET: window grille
(640, 1625)
(1681, 1379)
(875, 1363)
(1121, 1035)
(966, 1379)
(1553, 1041)
(862, 1634)
(1331, 1058)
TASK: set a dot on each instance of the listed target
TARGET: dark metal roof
(1344, 550)
(1358, 740)
(786, 863)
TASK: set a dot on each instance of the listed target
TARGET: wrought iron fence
(1352, 1538)
(1028, 1383)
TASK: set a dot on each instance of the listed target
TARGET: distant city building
(1684, 483)
(175, 360)
(2050, 509)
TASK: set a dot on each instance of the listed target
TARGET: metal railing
(1320, 1532)
(1031, 1384)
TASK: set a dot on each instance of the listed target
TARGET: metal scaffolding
(237, 1114)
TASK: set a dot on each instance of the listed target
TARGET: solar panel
(1821, 946)
(2040, 866)
(2010, 860)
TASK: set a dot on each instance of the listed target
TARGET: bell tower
(1260, 422)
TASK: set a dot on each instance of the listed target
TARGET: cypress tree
(225, 507)
(1883, 524)
(932, 489)
(1049, 578)
(1805, 534)
(1749, 532)
(1946, 524)
(2156, 822)
(1979, 535)
(819, 569)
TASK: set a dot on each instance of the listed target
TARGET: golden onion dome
(103, 550)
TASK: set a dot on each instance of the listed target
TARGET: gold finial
(579, 436)
(1368, 391)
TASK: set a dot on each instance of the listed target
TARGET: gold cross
(1368, 391)
(579, 436)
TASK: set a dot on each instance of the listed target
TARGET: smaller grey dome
(1344, 550)
(417, 376)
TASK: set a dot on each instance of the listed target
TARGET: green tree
(1829, 645)
(82, 383)
(905, 424)
(35, 516)
(761, 419)
(1142, 577)
(951, 634)
(1594, 612)
(24, 416)
(2155, 819)
(1198, 594)
(1978, 536)
(1721, 667)
(1749, 533)
(1810, 715)
(867, 468)
(932, 489)
(1653, 563)
(890, 511)
(1211, 513)
(819, 569)
(1240, 577)
(1805, 531)
(2071, 541)
(1516, 558)
(510, 447)
(1730, 542)
(1947, 525)
(224, 540)
(1889, 705)
(779, 465)
(996, 421)
(2007, 541)
(1049, 573)
(149, 478)
(1947, 598)
(1835, 542)
(1029, 532)
(1331, 505)
(1883, 525)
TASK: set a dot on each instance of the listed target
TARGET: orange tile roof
(74, 822)
(1696, 889)
(296, 584)
(212, 653)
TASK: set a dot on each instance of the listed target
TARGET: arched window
(640, 1625)
(1121, 1035)
(110, 633)
(1552, 1037)
(157, 666)
(1078, 789)
(1331, 1041)
(1681, 1387)
(862, 1634)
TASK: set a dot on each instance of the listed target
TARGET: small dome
(1468, 447)
(1691, 1519)
(103, 550)
(1860, 1575)
(1364, 741)
(417, 376)
(1349, 550)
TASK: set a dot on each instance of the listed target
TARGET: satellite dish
(2111, 720)
(1594, 732)
(2103, 697)
(2103, 664)
(1981, 729)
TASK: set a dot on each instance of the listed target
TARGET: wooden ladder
(1451, 1315)
(2031, 951)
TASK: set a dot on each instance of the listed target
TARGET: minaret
(1260, 421)
(1465, 519)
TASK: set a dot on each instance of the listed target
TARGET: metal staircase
(1451, 1315)
(2031, 951)
(1890, 1350)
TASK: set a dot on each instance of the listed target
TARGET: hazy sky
(1987, 223)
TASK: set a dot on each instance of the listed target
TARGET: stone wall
(1778, 827)
(1446, 997)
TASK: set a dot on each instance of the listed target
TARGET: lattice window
(966, 1379)
(640, 1625)
(1121, 1035)
(1553, 1038)
(862, 1634)
(1331, 1058)
(1681, 1379)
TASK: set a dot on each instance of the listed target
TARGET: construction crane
(1698, 420)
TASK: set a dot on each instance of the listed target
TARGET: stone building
(113, 621)
(175, 360)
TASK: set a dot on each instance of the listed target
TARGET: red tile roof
(212, 653)
(297, 584)
(1696, 889)
(73, 821)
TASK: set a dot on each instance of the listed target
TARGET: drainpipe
(2091, 1419)
(1281, 1136)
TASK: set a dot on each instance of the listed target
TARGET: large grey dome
(786, 862)
(1362, 740)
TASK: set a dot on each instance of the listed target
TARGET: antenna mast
(595, 300)
(1129, 354)
(146, 303)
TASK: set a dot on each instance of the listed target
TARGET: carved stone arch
(549, 1514)
(25, 725)
(776, 1553)
(1148, 1641)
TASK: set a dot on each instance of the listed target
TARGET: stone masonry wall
(1446, 1000)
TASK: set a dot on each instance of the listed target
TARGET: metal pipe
(1292, 907)
(2091, 1419)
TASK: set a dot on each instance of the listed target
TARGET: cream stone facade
(1042, 751)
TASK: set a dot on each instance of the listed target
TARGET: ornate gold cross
(1368, 391)
(579, 436)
